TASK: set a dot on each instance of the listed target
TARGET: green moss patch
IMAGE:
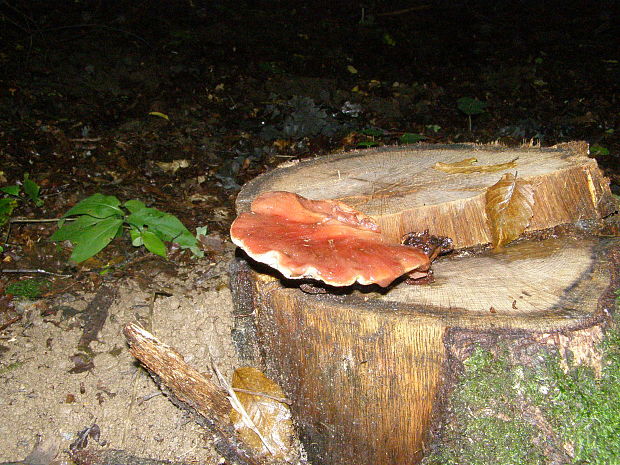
(482, 428)
(585, 409)
(505, 413)
(31, 288)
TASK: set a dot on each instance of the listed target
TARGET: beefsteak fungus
(322, 239)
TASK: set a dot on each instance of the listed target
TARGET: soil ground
(177, 104)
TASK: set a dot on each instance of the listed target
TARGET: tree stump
(363, 366)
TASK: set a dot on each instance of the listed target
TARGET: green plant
(368, 143)
(272, 67)
(372, 133)
(388, 39)
(471, 107)
(411, 138)
(599, 150)
(8, 204)
(13, 195)
(100, 218)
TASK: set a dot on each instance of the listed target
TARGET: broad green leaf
(166, 226)
(186, 240)
(411, 138)
(32, 189)
(136, 236)
(471, 106)
(154, 244)
(95, 239)
(7, 206)
(73, 230)
(196, 252)
(134, 205)
(509, 207)
(97, 205)
(11, 190)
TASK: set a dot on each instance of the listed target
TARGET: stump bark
(364, 366)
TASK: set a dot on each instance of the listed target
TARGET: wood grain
(399, 188)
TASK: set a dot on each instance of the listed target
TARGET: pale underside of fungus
(322, 239)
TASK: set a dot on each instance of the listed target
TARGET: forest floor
(177, 105)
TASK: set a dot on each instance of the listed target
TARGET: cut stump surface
(401, 190)
(364, 367)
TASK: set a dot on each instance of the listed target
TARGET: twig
(21, 220)
(8, 323)
(149, 397)
(19, 12)
(42, 220)
(37, 271)
(404, 10)
(29, 220)
(27, 29)
(20, 27)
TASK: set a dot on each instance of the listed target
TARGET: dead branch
(193, 391)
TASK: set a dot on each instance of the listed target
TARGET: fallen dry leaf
(509, 207)
(467, 166)
(173, 166)
(270, 416)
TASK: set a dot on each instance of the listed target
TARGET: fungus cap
(321, 239)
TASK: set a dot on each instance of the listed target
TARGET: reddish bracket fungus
(322, 239)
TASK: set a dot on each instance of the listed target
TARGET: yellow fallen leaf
(509, 208)
(351, 69)
(161, 115)
(173, 166)
(268, 412)
(467, 166)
